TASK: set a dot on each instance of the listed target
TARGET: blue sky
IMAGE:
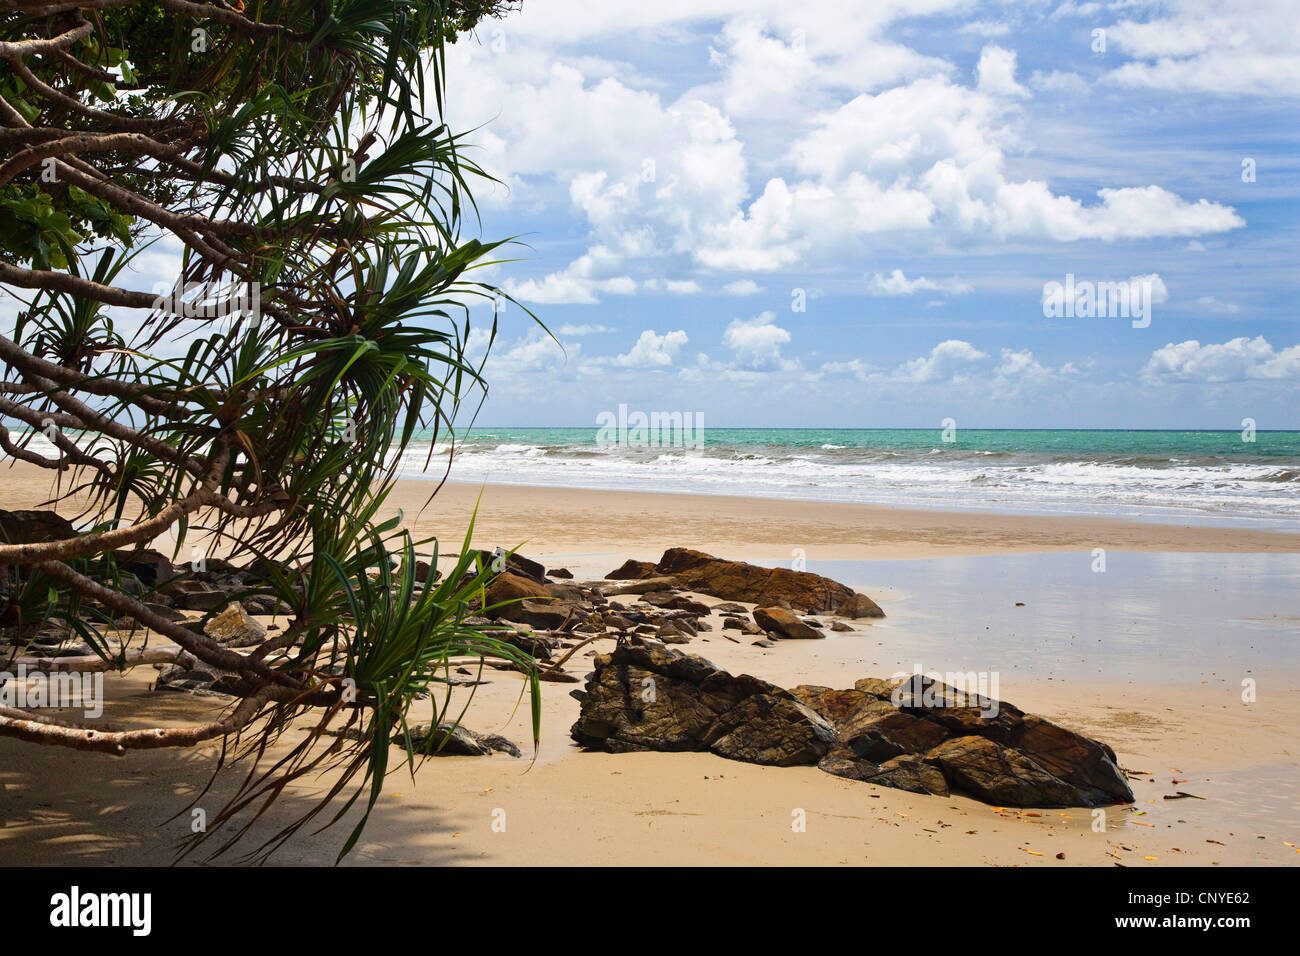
(678, 171)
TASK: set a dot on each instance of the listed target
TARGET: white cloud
(1071, 9)
(756, 342)
(1070, 84)
(986, 28)
(1239, 359)
(1251, 47)
(945, 361)
(1210, 304)
(652, 350)
(742, 287)
(996, 73)
(578, 283)
(585, 329)
(896, 283)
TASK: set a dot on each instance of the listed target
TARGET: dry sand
(569, 807)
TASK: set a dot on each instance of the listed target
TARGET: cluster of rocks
(653, 599)
(644, 696)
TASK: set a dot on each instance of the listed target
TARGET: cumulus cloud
(653, 350)
(742, 287)
(1203, 46)
(756, 342)
(579, 283)
(996, 73)
(908, 150)
(945, 361)
(1239, 359)
(896, 283)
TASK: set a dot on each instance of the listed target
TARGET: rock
(771, 729)
(514, 564)
(909, 735)
(630, 570)
(152, 568)
(234, 628)
(674, 602)
(859, 605)
(779, 621)
(190, 595)
(165, 612)
(878, 731)
(641, 587)
(563, 573)
(909, 772)
(31, 527)
(669, 634)
(453, 740)
(991, 772)
(507, 590)
(545, 615)
(656, 698)
(840, 626)
(565, 592)
(730, 607)
(763, 642)
(265, 604)
(739, 581)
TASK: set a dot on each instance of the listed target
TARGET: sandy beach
(574, 807)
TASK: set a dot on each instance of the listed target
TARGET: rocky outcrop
(919, 736)
(631, 570)
(740, 581)
(646, 697)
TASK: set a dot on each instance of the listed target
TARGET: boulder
(631, 570)
(30, 527)
(234, 628)
(151, 567)
(507, 590)
(909, 735)
(453, 740)
(738, 581)
(515, 564)
(859, 605)
(999, 775)
(779, 621)
(562, 573)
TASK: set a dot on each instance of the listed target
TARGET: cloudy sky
(845, 213)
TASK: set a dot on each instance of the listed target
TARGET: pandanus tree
(284, 162)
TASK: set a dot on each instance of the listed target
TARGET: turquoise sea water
(1216, 476)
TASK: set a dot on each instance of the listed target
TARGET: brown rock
(859, 605)
(779, 621)
(512, 588)
(739, 581)
(630, 570)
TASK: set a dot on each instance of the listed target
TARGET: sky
(843, 214)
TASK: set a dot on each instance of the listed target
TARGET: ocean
(1214, 477)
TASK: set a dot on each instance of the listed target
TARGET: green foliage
(301, 152)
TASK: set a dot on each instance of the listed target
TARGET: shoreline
(550, 520)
